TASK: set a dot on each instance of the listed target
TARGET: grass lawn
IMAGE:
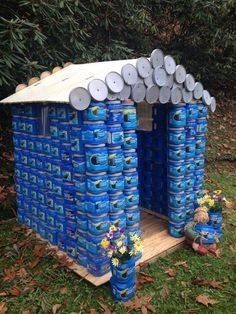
(37, 289)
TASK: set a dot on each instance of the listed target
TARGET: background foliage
(39, 34)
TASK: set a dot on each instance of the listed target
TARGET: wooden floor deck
(156, 243)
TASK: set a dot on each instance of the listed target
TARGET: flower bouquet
(214, 203)
(122, 254)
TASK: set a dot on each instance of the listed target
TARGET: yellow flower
(122, 249)
(112, 228)
(119, 243)
(200, 202)
(211, 203)
(115, 261)
(217, 192)
(131, 253)
(110, 253)
(105, 243)
(138, 247)
(134, 237)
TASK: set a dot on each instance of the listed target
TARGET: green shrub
(39, 34)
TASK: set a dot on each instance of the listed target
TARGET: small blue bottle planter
(176, 136)
(116, 182)
(215, 220)
(118, 219)
(190, 128)
(207, 234)
(201, 126)
(189, 166)
(130, 159)
(114, 112)
(176, 169)
(176, 185)
(96, 158)
(190, 148)
(115, 134)
(98, 225)
(131, 178)
(115, 159)
(95, 112)
(176, 229)
(192, 111)
(97, 183)
(130, 140)
(98, 265)
(94, 133)
(78, 163)
(117, 202)
(130, 117)
(202, 111)
(177, 215)
(123, 280)
(177, 116)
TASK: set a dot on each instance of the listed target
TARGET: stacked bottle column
(115, 142)
(145, 167)
(66, 122)
(26, 129)
(78, 174)
(46, 190)
(176, 169)
(199, 160)
(94, 138)
(130, 173)
(190, 146)
(159, 149)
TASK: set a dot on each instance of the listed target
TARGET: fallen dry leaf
(39, 250)
(217, 253)
(170, 272)
(63, 261)
(64, 290)
(184, 284)
(144, 309)
(140, 303)
(10, 274)
(55, 308)
(26, 312)
(22, 273)
(3, 307)
(205, 300)
(8, 156)
(212, 283)
(144, 278)
(3, 176)
(165, 292)
(93, 311)
(184, 264)
(191, 311)
(34, 263)
(15, 291)
(105, 308)
(143, 265)
(3, 294)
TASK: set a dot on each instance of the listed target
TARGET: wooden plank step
(156, 243)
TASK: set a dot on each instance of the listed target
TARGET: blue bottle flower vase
(123, 280)
(215, 220)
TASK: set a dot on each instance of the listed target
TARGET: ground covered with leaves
(33, 280)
